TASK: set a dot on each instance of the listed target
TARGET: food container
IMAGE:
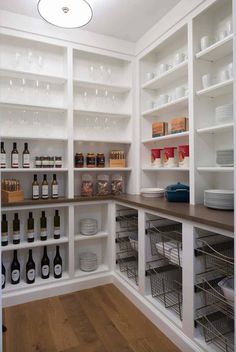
(117, 158)
(169, 159)
(100, 160)
(58, 161)
(87, 186)
(177, 193)
(91, 160)
(117, 185)
(227, 286)
(156, 159)
(79, 160)
(153, 192)
(179, 124)
(159, 129)
(184, 156)
(102, 185)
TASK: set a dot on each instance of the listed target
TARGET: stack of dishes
(153, 192)
(224, 113)
(88, 261)
(225, 157)
(88, 227)
(219, 199)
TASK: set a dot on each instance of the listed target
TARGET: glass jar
(91, 160)
(38, 162)
(79, 160)
(58, 161)
(100, 160)
(51, 161)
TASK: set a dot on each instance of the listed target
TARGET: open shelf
(35, 170)
(215, 169)
(217, 89)
(32, 107)
(111, 87)
(164, 138)
(151, 168)
(216, 129)
(167, 77)
(102, 268)
(102, 113)
(114, 141)
(32, 76)
(217, 50)
(101, 169)
(179, 104)
(35, 138)
(37, 243)
(100, 234)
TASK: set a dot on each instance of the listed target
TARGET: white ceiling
(124, 19)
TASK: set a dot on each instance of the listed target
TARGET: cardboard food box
(159, 129)
(179, 124)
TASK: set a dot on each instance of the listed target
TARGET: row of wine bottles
(15, 157)
(43, 190)
(30, 269)
(31, 235)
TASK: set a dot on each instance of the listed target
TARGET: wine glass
(97, 98)
(85, 99)
(30, 58)
(17, 58)
(102, 72)
(40, 62)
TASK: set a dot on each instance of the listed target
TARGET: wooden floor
(101, 319)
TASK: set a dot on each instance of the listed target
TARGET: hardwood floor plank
(101, 319)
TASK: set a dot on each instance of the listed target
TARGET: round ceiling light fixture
(66, 13)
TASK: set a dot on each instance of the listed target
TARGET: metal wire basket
(127, 218)
(128, 263)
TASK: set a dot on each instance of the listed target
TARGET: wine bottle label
(31, 274)
(30, 234)
(4, 237)
(58, 163)
(45, 270)
(45, 191)
(15, 275)
(3, 280)
(56, 231)
(26, 160)
(35, 192)
(16, 235)
(43, 233)
(15, 160)
(58, 269)
(3, 159)
(54, 190)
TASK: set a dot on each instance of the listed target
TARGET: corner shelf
(100, 85)
(217, 50)
(179, 104)
(100, 234)
(37, 243)
(4, 72)
(216, 129)
(165, 169)
(215, 169)
(34, 170)
(167, 77)
(167, 137)
(217, 89)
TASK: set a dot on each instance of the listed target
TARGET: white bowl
(152, 192)
(227, 286)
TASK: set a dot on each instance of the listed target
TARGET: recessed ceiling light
(66, 13)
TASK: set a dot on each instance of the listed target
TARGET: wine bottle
(3, 158)
(45, 265)
(35, 188)
(15, 269)
(45, 187)
(54, 187)
(57, 221)
(14, 157)
(43, 227)
(16, 229)
(30, 228)
(26, 157)
(3, 276)
(30, 269)
(57, 264)
(4, 230)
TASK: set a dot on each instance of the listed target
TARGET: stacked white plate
(153, 192)
(219, 199)
(225, 157)
(224, 113)
(88, 227)
(88, 261)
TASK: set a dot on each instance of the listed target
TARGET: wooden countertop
(195, 213)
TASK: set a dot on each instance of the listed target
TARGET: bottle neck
(15, 255)
(45, 251)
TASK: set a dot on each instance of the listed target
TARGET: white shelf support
(70, 118)
(71, 248)
(141, 251)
